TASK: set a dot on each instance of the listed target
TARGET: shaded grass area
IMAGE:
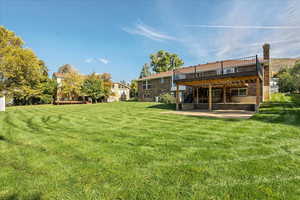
(131, 151)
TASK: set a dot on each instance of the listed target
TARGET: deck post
(177, 97)
(197, 93)
(210, 98)
(224, 94)
(257, 93)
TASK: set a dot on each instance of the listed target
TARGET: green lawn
(132, 151)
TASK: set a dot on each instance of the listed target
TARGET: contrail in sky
(242, 27)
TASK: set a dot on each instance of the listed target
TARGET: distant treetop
(67, 68)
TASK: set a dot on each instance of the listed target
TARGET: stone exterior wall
(158, 86)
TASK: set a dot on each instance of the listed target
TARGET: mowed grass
(130, 150)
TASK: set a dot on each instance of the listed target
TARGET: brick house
(153, 86)
(229, 84)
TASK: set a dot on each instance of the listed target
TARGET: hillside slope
(278, 63)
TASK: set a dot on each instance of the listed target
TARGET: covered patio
(212, 90)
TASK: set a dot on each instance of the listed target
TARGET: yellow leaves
(9, 38)
(71, 84)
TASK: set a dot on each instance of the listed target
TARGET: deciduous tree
(22, 74)
(163, 61)
(289, 79)
(71, 85)
(107, 83)
(93, 86)
(67, 68)
(133, 88)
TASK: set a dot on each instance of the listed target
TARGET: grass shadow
(164, 106)
(2, 138)
(14, 196)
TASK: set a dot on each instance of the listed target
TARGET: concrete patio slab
(227, 114)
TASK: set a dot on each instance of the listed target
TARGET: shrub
(167, 98)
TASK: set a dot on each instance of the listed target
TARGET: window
(229, 70)
(162, 80)
(216, 92)
(147, 85)
(241, 92)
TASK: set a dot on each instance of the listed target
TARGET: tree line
(74, 85)
(24, 78)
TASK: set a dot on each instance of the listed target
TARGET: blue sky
(117, 36)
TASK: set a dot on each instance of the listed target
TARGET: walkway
(228, 114)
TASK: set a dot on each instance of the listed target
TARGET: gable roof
(58, 75)
(203, 67)
(122, 84)
(157, 75)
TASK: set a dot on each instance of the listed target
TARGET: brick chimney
(266, 48)
(267, 72)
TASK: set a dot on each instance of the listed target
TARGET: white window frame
(229, 70)
(147, 85)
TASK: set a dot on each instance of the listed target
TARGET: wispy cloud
(241, 40)
(242, 27)
(149, 32)
(94, 60)
(236, 28)
(103, 60)
(89, 60)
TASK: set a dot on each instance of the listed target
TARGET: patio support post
(257, 93)
(197, 93)
(177, 97)
(224, 94)
(210, 98)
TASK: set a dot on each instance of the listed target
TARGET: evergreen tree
(145, 71)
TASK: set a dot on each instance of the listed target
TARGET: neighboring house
(120, 92)
(274, 87)
(229, 84)
(59, 77)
